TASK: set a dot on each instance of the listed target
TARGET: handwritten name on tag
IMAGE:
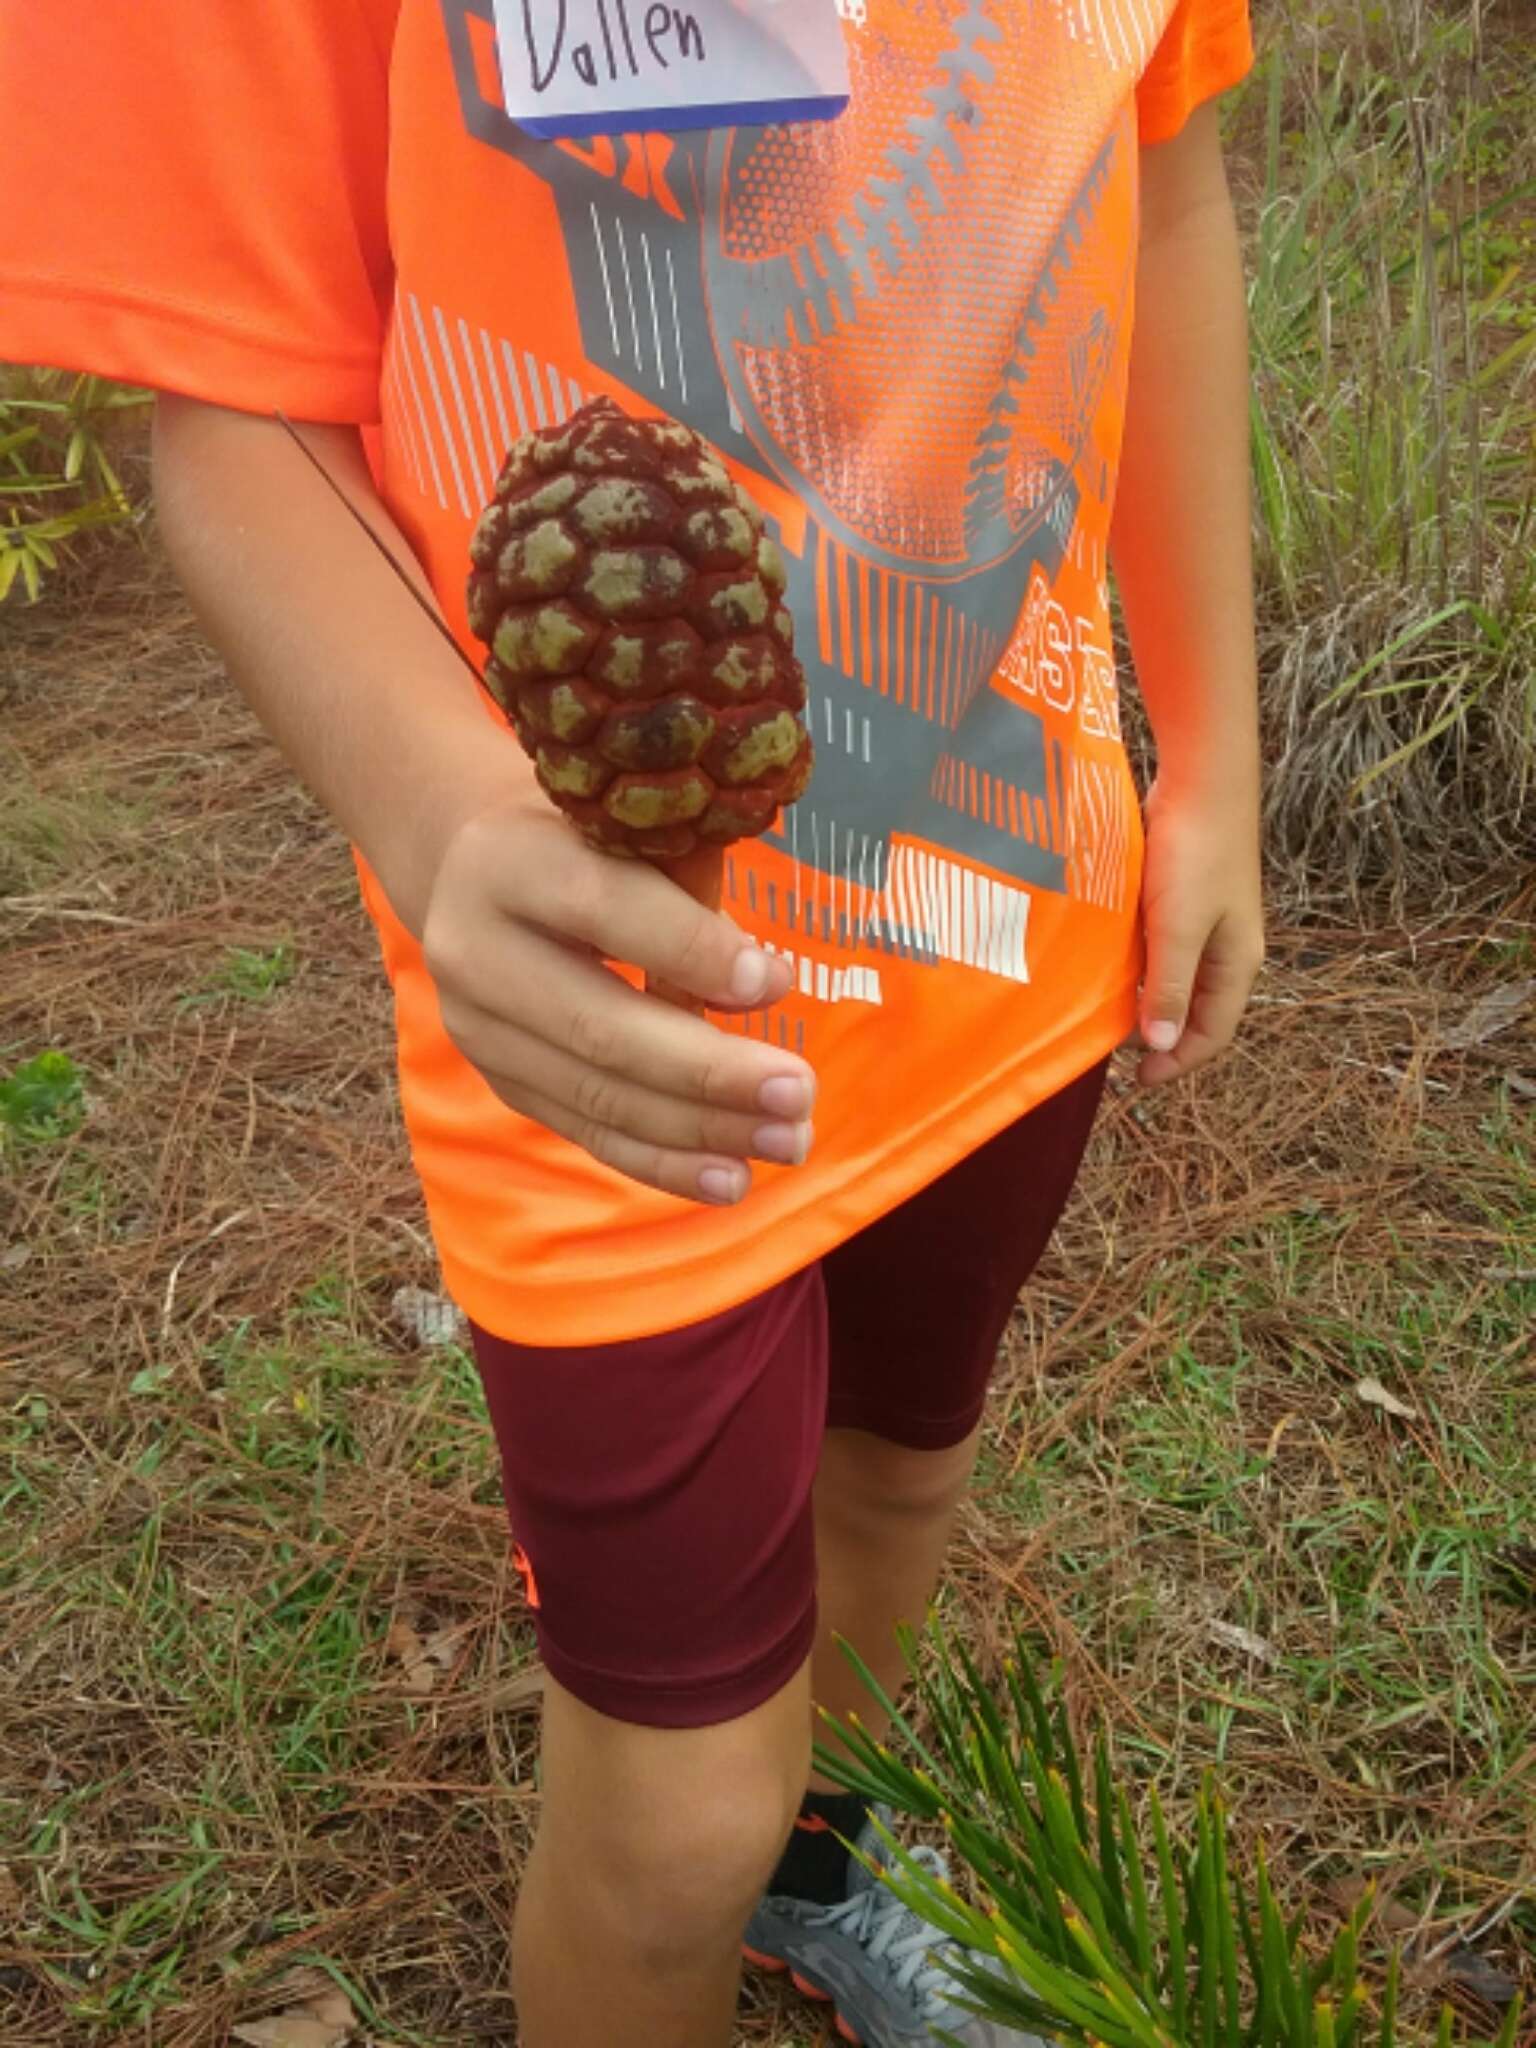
(584, 67)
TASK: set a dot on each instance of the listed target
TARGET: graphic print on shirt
(907, 320)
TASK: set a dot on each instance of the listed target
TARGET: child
(908, 329)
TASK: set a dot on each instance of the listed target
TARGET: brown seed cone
(639, 644)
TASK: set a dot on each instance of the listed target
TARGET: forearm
(1181, 539)
(336, 659)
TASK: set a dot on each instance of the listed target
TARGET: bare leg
(654, 1845)
(884, 1515)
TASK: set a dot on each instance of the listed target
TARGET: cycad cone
(639, 644)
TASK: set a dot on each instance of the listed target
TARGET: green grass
(1083, 1916)
(216, 1555)
(1250, 1488)
(42, 1100)
(1388, 177)
(46, 832)
(249, 974)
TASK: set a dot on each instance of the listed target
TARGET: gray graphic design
(665, 309)
(850, 256)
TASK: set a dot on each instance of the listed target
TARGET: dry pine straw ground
(264, 1686)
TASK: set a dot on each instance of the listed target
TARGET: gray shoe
(879, 1963)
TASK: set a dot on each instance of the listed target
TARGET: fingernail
(1162, 1036)
(750, 973)
(788, 1096)
(722, 1183)
(787, 1143)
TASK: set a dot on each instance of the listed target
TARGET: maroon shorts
(660, 1489)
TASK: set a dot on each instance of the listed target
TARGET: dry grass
(1385, 163)
(223, 1476)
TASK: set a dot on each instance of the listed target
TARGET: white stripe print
(458, 399)
(965, 917)
(403, 340)
(1099, 833)
(435, 387)
(1127, 31)
(827, 984)
(602, 262)
(397, 419)
(493, 455)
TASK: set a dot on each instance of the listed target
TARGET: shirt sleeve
(1206, 47)
(196, 196)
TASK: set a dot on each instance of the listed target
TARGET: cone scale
(631, 603)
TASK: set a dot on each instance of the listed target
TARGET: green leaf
(1387, 2033)
(1509, 2032)
(1128, 2010)
(1225, 1917)
(1111, 1875)
(1173, 1913)
(43, 1099)
(1410, 638)
(149, 1379)
(16, 439)
(1035, 1989)
(1141, 1905)
(1406, 752)
(884, 1701)
(1071, 1867)
(110, 477)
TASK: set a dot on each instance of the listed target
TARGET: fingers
(597, 1104)
(599, 1021)
(521, 920)
(1210, 1026)
(650, 1090)
(717, 1180)
(630, 911)
(1192, 1004)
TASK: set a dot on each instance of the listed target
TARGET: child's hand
(1203, 917)
(520, 917)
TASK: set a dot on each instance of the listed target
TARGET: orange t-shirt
(907, 331)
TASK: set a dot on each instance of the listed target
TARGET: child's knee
(690, 1882)
(672, 1847)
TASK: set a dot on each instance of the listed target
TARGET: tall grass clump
(58, 479)
(1083, 1915)
(1389, 174)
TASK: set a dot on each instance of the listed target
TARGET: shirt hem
(572, 1310)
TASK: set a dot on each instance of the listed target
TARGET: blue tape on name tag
(609, 67)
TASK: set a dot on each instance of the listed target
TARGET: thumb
(1173, 959)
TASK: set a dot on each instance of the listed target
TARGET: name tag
(608, 67)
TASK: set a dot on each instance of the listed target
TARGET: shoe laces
(891, 1932)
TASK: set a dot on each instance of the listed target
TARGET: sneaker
(876, 1961)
